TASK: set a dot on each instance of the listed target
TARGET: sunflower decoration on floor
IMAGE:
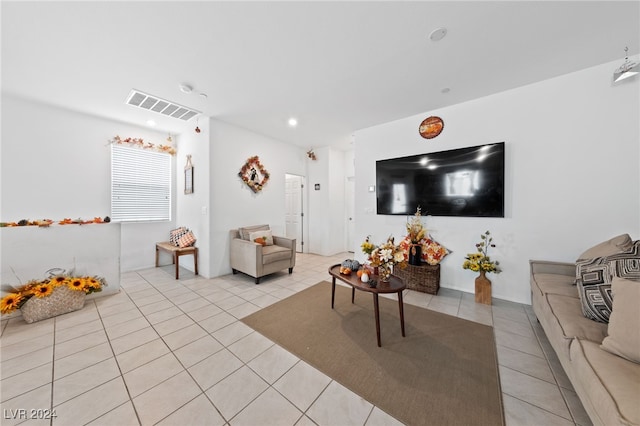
(41, 289)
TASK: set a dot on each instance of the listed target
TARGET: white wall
(194, 210)
(572, 173)
(232, 202)
(57, 163)
(326, 205)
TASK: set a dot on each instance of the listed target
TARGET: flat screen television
(459, 182)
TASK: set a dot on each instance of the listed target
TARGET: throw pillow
(261, 240)
(187, 240)
(245, 233)
(623, 338)
(266, 235)
(594, 278)
(615, 245)
(433, 252)
(175, 234)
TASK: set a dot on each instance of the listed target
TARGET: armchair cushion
(274, 253)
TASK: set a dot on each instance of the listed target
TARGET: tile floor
(170, 352)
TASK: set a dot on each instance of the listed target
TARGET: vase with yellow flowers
(482, 263)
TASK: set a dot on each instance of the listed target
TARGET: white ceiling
(336, 66)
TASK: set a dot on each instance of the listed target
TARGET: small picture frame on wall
(188, 176)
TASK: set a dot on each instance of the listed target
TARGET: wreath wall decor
(254, 174)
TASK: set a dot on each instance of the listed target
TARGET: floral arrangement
(254, 174)
(386, 254)
(141, 143)
(416, 231)
(480, 261)
(40, 289)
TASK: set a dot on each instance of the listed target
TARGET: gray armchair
(258, 260)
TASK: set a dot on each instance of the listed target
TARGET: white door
(293, 214)
(350, 204)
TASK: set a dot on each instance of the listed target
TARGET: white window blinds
(140, 184)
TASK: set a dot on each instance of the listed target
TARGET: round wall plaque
(431, 127)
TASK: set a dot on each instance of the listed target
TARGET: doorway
(294, 212)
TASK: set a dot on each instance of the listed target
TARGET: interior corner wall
(572, 173)
(233, 203)
(193, 210)
(56, 164)
(326, 205)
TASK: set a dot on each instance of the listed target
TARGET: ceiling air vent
(142, 100)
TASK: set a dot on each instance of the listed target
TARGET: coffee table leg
(401, 305)
(377, 313)
(353, 294)
(333, 291)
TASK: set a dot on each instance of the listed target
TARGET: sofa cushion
(274, 253)
(612, 383)
(262, 237)
(247, 230)
(567, 313)
(555, 284)
(623, 336)
(614, 245)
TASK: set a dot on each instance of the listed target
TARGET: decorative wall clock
(254, 174)
(431, 127)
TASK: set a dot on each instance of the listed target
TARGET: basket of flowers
(56, 295)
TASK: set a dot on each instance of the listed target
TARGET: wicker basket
(61, 301)
(424, 278)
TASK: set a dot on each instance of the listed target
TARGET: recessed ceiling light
(203, 95)
(445, 90)
(151, 123)
(292, 122)
(438, 34)
(185, 88)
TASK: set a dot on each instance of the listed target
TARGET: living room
(572, 175)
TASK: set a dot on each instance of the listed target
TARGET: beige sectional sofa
(608, 384)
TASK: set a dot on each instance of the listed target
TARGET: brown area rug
(444, 372)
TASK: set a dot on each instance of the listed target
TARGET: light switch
(204, 210)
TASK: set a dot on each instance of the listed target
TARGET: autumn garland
(140, 143)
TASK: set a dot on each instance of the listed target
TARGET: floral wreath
(254, 174)
(140, 143)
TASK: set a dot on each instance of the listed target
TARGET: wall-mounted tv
(459, 182)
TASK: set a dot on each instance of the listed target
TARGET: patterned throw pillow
(594, 277)
(187, 240)
(175, 234)
(433, 252)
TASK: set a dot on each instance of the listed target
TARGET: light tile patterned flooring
(170, 352)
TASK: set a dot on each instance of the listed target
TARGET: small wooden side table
(176, 253)
(395, 285)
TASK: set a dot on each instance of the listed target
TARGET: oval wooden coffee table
(395, 285)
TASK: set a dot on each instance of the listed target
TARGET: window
(140, 185)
